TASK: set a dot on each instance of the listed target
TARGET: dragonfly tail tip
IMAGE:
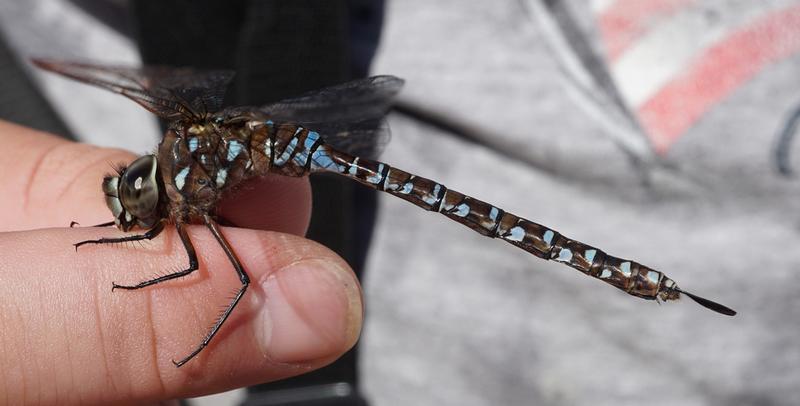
(709, 304)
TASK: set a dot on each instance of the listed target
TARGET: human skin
(66, 338)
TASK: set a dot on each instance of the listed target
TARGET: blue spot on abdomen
(287, 152)
(548, 236)
(321, 160)
(625, 267)
(516, 234)
(463, 210)
(589, 255)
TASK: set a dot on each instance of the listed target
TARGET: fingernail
(313, 310)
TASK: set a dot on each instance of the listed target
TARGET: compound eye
(138, 189)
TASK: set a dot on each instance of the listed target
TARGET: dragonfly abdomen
(492, 221)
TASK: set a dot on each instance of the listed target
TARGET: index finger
(50, 182)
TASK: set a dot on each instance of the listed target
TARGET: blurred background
(656, 130)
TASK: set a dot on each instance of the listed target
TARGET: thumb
(67, 338)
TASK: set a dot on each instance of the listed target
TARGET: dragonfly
(207, 151)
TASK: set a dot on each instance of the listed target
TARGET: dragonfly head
(133, 194)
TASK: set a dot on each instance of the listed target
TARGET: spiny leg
(243, 278)
(149, 235)
(193, 264)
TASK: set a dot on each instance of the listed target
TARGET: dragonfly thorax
(133, 195)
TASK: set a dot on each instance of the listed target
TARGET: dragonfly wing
(167, 92)
(349, 116)
(365, 138)
(363, 98)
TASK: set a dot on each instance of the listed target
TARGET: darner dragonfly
(207, 151)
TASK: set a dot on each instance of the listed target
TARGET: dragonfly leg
(72, 224)
(243, 278)
(149, 235)
(193, 264)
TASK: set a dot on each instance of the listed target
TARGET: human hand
(66, 338)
